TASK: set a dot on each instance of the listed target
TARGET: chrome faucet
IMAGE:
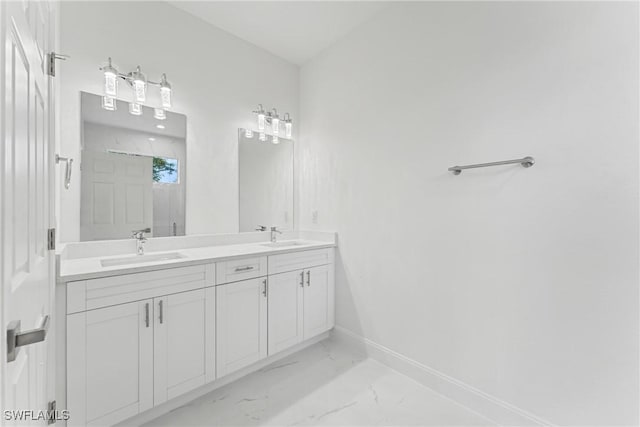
(140, 239)
(274, 230)
(261, 228)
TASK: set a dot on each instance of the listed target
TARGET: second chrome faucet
(140, 239)
(274, 231)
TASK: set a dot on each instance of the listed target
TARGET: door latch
(16, 338)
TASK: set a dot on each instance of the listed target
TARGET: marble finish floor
(323, 385)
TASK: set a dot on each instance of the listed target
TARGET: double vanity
(189, 314)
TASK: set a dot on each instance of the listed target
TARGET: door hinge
(51, 239)
(51, 408)
(51, 62)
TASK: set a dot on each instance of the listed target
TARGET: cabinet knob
(146, 314)
(264, 289)
(161, 312)
(302, 279)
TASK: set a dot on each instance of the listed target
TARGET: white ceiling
(294, 30)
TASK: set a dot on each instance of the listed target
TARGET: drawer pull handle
(308, 277)
(247, 268)
(302, 278)
(264, 290)
(146, 314)
(161, 312)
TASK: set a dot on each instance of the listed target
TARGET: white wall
(520, 282)
(217, 79)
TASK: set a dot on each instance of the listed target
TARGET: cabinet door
(285, 294)
(316, 300)
(110, 363)
(241, 324)
(179, 344)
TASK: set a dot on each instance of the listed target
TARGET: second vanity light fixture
(138, 82)
(272, 119)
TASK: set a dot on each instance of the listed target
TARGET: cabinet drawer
(107, 291)
(240, 269)
(299, 260)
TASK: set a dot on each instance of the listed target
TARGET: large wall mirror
(133, 172)
(266, 182)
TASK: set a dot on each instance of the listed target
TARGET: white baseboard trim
(182, 400)
(485, 404)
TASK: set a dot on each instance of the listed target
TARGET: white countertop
(82, 268)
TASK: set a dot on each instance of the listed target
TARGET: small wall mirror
(133, 171)
(266, 182)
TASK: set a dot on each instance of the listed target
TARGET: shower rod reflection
(526, 162)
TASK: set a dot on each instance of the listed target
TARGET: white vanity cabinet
(286, 293)
(241, 324)
(110, 363)
(126, 357)
(178, 344)
(300, 301)
(135, 341)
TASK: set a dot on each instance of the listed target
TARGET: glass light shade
(110, 80)
(159, 114)
(109, 103)
(275, 140)
(110, 83)
(275, 125)
(135, 109)
(165, 92)
(248, 133)
(140, 90)
(262, 137)
(261, 121)
(288, 127)
(165, 96)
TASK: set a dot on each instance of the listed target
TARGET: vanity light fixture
(137, 80)
(273, 119)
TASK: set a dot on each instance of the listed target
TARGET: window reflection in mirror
(133, 173)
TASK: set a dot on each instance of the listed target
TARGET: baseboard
(182, 400)
(491, 407)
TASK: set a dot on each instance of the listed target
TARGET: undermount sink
(140, 259)
(284, 243)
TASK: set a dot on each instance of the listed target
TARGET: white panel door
(179, 343)
(26, 200)
(241, 324)
(316, 300)
(117, 195)
(110, 363)
(285, 313)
